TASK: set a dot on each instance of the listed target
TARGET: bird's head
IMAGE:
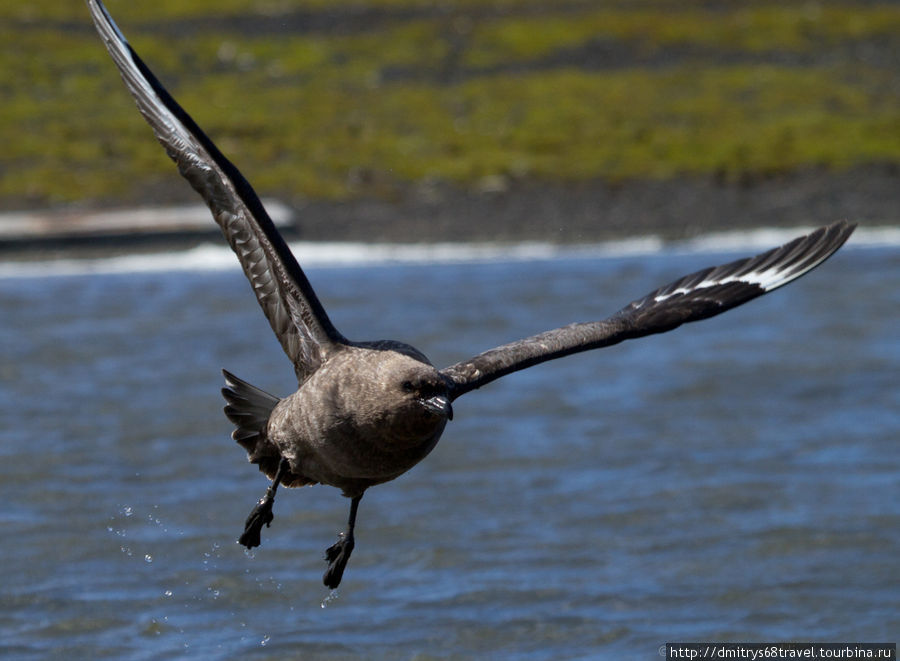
(413, 398)
(426, 390)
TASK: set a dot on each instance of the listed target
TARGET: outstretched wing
(286, 297)
(697, 296)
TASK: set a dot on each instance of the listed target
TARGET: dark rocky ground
(672, 208)
(515, 212)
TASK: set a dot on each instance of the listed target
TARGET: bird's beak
(439, 404)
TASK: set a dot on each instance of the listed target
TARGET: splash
(330, 599)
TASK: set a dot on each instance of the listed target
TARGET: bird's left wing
(697, 296)
(281, 287)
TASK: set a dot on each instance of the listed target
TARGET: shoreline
(501, 211)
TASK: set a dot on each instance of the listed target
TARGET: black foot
(337, 556)
(261, 515)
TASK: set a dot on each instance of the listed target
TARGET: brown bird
(366, 412)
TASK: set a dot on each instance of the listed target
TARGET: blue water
(735, 480)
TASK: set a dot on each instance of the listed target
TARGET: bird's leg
(262, 513)
(338, 554)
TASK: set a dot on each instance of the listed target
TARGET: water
(737, 479)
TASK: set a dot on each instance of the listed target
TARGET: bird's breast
(329, 442)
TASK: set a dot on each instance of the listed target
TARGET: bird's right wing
(697, 296)
(281, 287)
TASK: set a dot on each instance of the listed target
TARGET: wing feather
(700, 295)
(282, 289)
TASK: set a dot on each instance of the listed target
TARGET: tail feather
(249, 409)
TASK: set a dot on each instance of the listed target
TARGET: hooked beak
(439, 404)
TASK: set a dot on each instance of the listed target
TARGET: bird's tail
(249, 409)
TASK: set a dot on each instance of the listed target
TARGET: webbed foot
(261, 515)
(337, 556)
(338, 553)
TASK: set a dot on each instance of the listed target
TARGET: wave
(210, 257)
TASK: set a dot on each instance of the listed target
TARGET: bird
(365, 412)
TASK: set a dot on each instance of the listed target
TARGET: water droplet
(265, 640)
(127, 511)
(168, 593)
(148, 558)
(332, 596)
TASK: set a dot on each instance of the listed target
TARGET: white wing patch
(766, 280)
(768, 271)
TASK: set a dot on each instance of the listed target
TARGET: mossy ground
(336, 100)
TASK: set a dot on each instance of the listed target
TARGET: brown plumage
(366, 412)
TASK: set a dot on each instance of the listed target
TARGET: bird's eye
(408, 386)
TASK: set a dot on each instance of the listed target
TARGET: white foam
(216, 257)
(769, 237)
(209, 257)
